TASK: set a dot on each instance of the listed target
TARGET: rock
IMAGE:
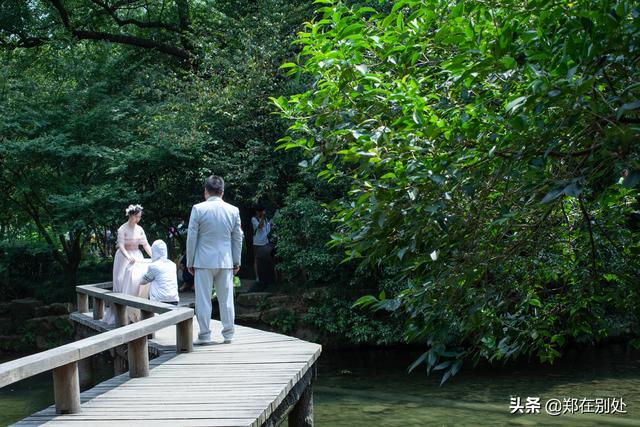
(279, 300)
(5, 307)
(246, 285)
(49, 331)
(58, 308)
(41, 343)
(252, 299)
(253, 317)
(55, 309)
(270, 315)
(38, 325)
(242, 310)
(23, 309)
(13, 343)
(6, 326)
(42, 311)
(314, 295)
(306, 334)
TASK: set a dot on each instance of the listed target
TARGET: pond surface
(371, 388)
(21, 399)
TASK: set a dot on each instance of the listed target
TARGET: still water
(372, 388)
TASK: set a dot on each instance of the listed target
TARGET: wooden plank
(25, 367)
(221, 385)
(28, 366)
(121, 314)
(98, 308)
(125, 299)
(66, 388)
(184, 336)
(115, 337)
(208, 422)
(83, 303)
(138, 355)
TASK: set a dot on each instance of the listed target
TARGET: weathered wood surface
(66, 388)
(26, 367)
(98, 308)
(237, 384)
(113, 297)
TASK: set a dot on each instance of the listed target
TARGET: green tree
(107, 103)
(484, 143)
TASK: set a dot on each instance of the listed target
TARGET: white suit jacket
(215, 236)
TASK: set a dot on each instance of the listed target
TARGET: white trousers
(222, 278)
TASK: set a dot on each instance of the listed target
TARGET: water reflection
(372, 388)
(21, 399)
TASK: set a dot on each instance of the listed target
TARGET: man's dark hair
(259, 208)
(214, 185)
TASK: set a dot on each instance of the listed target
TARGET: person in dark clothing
(187, 278)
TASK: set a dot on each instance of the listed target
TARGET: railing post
(83, 302)
(98, 308)
(138, 358)
(184, 336)
(301, 414)
(148, 315)
(66, 388)
(121, 315)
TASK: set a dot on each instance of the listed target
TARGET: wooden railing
(63, 360)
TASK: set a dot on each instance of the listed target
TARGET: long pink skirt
(126, 277)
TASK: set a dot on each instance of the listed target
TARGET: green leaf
(363, 68)
(418, 361)
(572, 190)
(443, 365)
(515, 105)
(552, 195)
(626, 108)
(402, 251)
(365, 301)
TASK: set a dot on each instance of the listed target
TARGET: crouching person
(162, 275)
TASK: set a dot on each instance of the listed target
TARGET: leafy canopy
(484, 143)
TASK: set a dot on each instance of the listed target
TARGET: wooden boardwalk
(253, 381)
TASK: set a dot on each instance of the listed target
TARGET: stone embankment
(28, 325)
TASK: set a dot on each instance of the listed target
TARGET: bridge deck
(237, 384)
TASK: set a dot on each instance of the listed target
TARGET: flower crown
(132, 208)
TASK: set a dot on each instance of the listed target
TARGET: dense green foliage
(302, 229)
(89, 126)
(109, 103)
(478, 160)
(491, 151)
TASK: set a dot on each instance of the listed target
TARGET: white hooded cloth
(162, 275)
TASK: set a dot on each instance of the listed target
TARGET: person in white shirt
(261, 229)
(162, 275)
(214, 248)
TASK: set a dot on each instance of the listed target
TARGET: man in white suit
(214, 244)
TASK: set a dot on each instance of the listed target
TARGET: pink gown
(126, 275)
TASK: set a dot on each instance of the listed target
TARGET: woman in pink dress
(129, 264)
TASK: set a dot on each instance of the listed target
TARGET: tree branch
(133, 41)
(112, 11)
(593, 244)
(64, 16)
(117, 38)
